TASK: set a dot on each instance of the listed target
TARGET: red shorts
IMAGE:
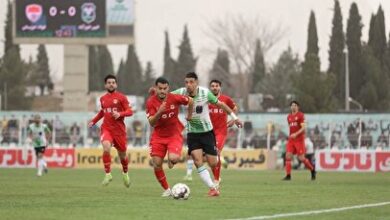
(296, 147)
(118, 141)
(159, 146)
(220, 139)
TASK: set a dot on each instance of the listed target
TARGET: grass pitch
(77, 194)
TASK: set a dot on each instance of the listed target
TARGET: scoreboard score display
(60, 18)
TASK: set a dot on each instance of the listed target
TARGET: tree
(278, 82)
(105, 62)
(43, 70)
(132, 74)
(238, 35)
(186, 62)
(258, 69)
(148, 79)
(377, 36)
(95, 81)
(316, 95)
(221, 69)
(354, 33)
(336, 52)
(169, 63)
(13, 71)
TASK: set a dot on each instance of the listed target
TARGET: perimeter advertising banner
(353, 160)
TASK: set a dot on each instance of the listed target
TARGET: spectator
(75, 134)
(138, 132)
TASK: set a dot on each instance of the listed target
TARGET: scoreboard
(90, 22)
(60, 18)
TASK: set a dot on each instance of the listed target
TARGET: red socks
(160, 176)
(125, 164)
(288, 166)
(107, 162)
(308, 165)
(217, 169)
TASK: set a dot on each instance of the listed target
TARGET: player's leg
(304, 160)
(190, 164)
(40, 163)
(174, 147)
(211, 154)
(157, 152)
(106, 140)
(220, 139)
(289, 154)
(120, 143)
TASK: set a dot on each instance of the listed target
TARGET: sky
(153, 17)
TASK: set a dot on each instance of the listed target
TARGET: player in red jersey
(219, 119)
(162, 110)
(296, 140)
(115, 107)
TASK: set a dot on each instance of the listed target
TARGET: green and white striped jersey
(38, 134)
(200, 121)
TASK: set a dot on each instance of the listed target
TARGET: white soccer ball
(180, 191)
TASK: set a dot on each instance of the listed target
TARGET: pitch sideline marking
(314, 211)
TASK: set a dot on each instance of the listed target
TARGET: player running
(296, 140)
(162, 110)
(200, 135)
(114, 108)
(219, 119)
(39, 133)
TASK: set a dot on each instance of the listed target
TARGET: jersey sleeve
(150, 110)
(180, 91)
(181, 99)
(47, 129)
(126, 107)
(211, 98)
(302, 118)
(230, 103)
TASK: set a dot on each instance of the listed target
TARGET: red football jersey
(113, 102)
(218, 116)
(168, 124)
(294, 122)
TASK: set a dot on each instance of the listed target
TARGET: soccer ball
(180, 191)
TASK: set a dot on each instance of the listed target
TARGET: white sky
(155, 16)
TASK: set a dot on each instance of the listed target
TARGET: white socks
(190, 163)
(205, 176)
(41, 166)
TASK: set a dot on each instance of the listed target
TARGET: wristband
(234, 116)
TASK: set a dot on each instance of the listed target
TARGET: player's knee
(288, 156)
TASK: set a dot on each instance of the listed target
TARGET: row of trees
(16, 74)
(320, 91)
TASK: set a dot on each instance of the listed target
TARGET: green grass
(77, 194)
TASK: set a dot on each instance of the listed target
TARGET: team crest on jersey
(115, 101)
(296, 118)
(172, 106)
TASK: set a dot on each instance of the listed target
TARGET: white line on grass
(314, 211)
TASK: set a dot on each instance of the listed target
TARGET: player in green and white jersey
(39, 133)
(200, 135)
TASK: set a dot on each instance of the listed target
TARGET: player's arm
(234, 108)
(303, 127)
(214, 100)
(153, 118)
(29, 132)
(190, 108)
(127, 112)
(47, 133)
(97, 117)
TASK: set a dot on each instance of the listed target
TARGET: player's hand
(230, 123)
(90, 124)
(116, 115)
(238, 123)
(162, 107)
(293, 135)
(188, 117)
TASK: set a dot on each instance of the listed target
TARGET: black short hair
(294, 102)
(110, 76)
(216, 81)
(192, 75)
(161, 80)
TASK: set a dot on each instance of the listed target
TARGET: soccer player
(114, 108)
(296, 140)
(219, 119)
(162, 110)
(200, 135)
(39, 133)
